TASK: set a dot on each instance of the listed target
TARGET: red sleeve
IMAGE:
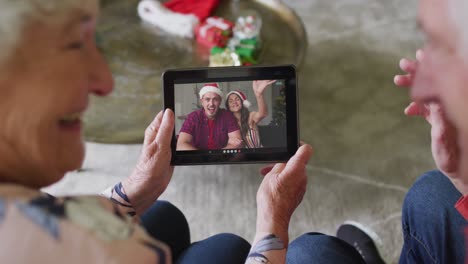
(462, 206)
(189, 124)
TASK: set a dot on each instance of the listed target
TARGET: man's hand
(443, 136)
(280, 192)
(184, 142)
(444, 143)
(153, 171)
(259, 86)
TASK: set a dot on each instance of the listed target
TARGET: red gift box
(215, 31)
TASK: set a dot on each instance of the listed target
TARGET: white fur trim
(155, 13)
(247, 104)
(212, 89)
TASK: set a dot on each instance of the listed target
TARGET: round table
(139, 53)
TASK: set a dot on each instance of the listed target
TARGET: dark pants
(166, 223)
(433, 229)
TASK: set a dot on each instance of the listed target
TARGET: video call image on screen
(230, 117)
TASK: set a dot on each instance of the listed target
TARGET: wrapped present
(247, 49)
(249, 44)
(215, 31)
(224, 57)
(247, 55)
(248, 26)
(217, 50)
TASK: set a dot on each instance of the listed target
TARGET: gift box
(247, 55)
(217, 50)
(247, 49)
(215, 31)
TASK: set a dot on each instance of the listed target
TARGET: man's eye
(75, 45)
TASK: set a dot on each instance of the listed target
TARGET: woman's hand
(259, 86)
(281, 191)
(153, 171)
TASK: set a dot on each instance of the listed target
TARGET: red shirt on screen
(206, 136)
(211, 141)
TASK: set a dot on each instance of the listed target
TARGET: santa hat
(211, 88)
(200, 8)
(177, 17)
(242, 96)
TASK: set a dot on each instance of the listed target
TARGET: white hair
(458, 13)
(15, 15)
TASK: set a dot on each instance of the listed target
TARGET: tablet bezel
(232, 74)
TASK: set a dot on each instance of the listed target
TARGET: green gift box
(217, 50)
(249, 43)
(247, 55)
(248, 50)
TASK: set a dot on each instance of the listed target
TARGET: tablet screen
(234, 120)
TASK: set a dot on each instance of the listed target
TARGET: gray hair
(15, 15)
(458, 13)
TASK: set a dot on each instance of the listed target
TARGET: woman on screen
(237, 103)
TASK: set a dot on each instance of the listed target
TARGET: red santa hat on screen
(211, 87)
(242, 96)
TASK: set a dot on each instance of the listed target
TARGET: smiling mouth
(71, 121)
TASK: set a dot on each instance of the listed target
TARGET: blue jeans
(321, 249)
(432, 227)
(166, 223)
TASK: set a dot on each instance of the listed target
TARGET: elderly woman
(49, 66)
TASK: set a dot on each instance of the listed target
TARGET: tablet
(226, 115)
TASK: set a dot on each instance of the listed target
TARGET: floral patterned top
(38, 228)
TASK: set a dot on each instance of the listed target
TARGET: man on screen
(210, 127)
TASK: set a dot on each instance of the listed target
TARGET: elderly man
(435, 210)
(210, 127)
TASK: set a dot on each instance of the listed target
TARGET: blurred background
(367, 153)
